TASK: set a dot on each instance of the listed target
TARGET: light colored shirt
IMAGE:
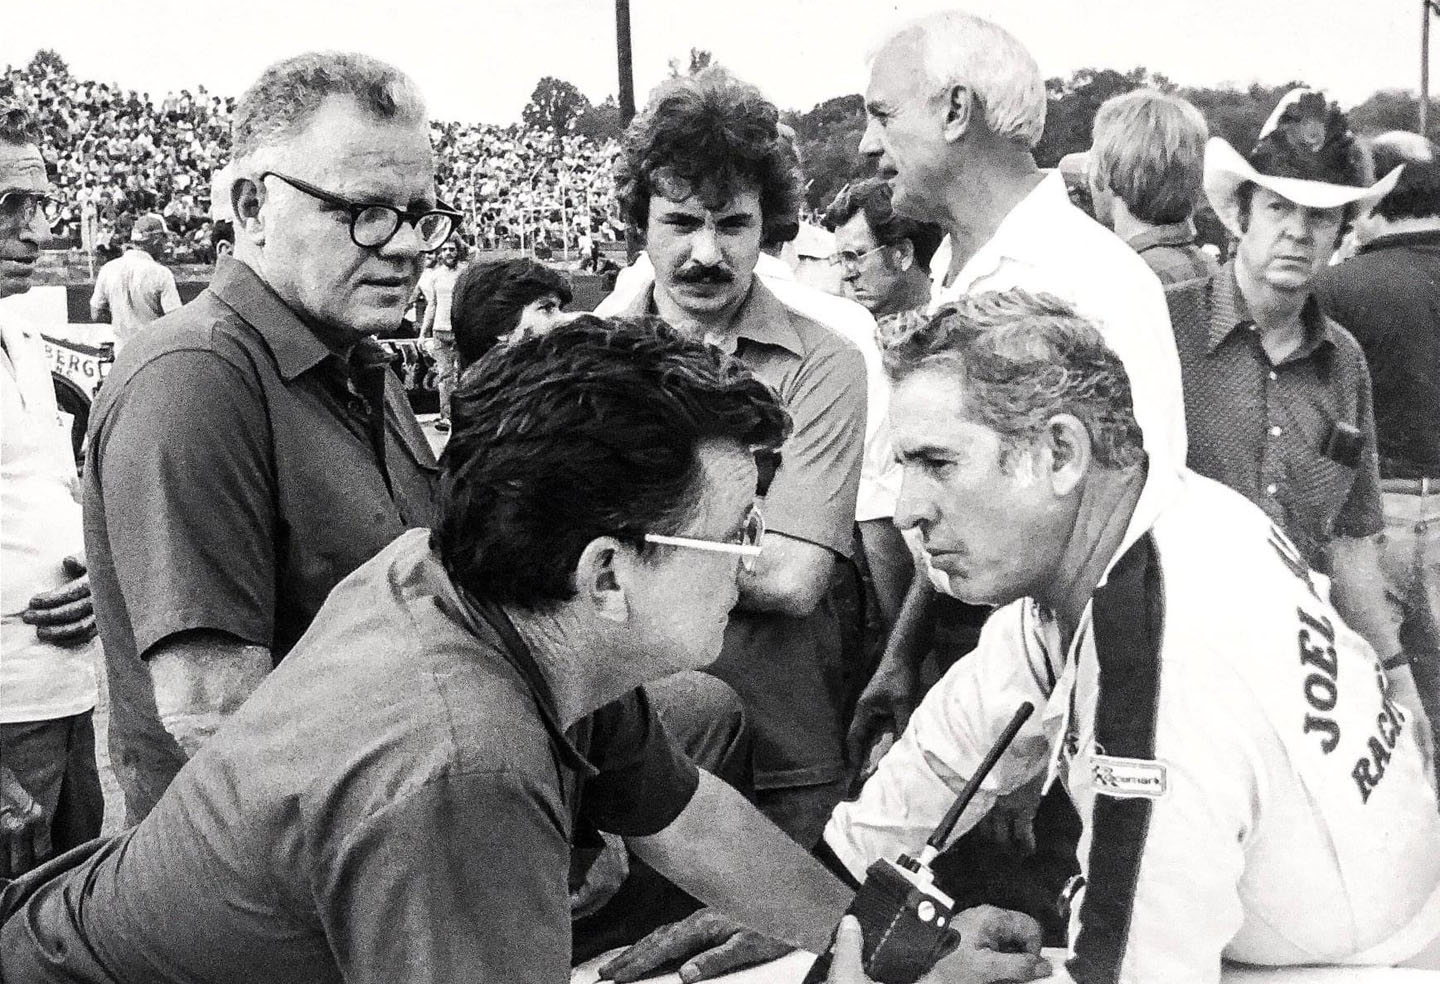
(39, 527)
(1246, 787)
(1047, 244)
(135, 290)
(438, 286)
(879, 474)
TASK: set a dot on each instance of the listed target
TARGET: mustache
(704, 275)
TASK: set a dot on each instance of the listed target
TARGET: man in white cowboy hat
(1277, 395)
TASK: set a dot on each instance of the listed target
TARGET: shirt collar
(295, 345)
(1030, 220)
(1173, 234)
(761, 318)
(482, 615)
(1229, 313)
(1425, 237)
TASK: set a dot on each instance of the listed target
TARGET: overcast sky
(478, 61)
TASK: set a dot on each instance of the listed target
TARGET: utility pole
(1428, 8)
(623, 58)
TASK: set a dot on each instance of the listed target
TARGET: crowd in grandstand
(120, 153)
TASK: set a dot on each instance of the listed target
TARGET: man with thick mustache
(254, 449)
(706, 175)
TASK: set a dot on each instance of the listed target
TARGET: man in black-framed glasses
(250, 456)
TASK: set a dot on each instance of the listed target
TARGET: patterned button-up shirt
(1298, 437)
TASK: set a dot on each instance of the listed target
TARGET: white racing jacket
(1246, 788)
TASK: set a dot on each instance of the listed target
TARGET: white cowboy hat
(1226, 171)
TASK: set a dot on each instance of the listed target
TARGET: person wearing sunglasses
(252, 449)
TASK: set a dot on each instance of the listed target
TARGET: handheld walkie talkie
(905, 921)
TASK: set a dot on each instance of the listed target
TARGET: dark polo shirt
(1388, 297)
(1264, 429)
(788, 670)
(238, 470)
(1173, 252)
(394, 803)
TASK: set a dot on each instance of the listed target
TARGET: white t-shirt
(1260, 798)
(879, 474)
(438, 285)
(39, 526)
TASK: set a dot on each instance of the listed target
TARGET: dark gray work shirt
(394, 803)
(235, 475)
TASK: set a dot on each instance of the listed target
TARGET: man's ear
(958, 112)
(246, 197)
(904, 253)
(601, 576)
(1070, 456)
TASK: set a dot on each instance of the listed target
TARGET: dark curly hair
(589, 430)
(1417, 194)
(488, 298)
(872, 197)
(710, 134)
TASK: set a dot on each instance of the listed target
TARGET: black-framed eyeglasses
(747, 547)
(373, 224)
(851, 260)
(21, 207)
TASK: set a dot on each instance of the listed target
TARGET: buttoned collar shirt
(1047, 244)
(239, 469)
(1277, 432)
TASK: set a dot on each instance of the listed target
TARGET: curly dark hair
(872, 197)
(710, 134)
(1022, 358)
(1417, 194)
(589, 430)
(488, 298)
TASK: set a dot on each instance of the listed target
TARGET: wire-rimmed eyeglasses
(21, 207)
(850, 260)
(373, 224)
(748, 547)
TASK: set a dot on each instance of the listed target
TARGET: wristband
(1397, 661)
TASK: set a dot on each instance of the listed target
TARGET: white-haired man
(257, 450)
(956, 106)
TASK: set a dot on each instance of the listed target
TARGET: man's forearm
(725, 852)
(1357, 589)
(201, 678)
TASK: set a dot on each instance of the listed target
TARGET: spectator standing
(438, 286)
(134, 289)
(492, 301)
(1145, 167)
(1277, 394)
(50, 797)
(1388, 297)
(708, 178)
(884, 258)
(255, 452)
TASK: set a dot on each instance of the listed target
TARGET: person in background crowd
(1278, 396)
(1145, 167)
(502, 299)
(708, 178)
(1388, 297)
(135, 289)
(396, 802)
(1236, 805)
(254, 452)
(222, 238)
(884, 258)
(50, 797)
(438, 285)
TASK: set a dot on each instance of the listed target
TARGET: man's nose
(705, 248)
(870, 140)
(914, 508)
(406, 244)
